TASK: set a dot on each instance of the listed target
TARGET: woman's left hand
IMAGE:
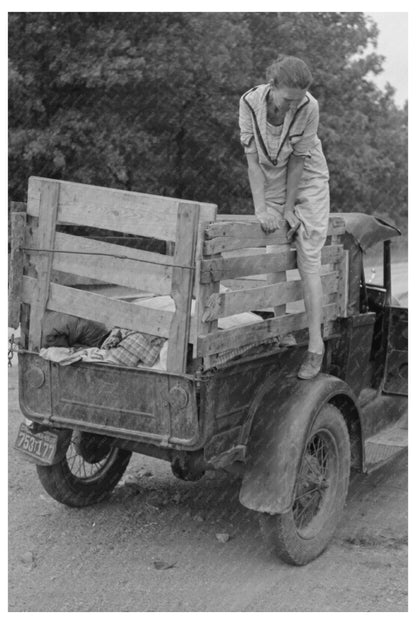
(294, 223)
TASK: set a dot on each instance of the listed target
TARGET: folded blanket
(66, 356)
(130, 348)
(123, 347)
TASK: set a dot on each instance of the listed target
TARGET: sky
(393, 44)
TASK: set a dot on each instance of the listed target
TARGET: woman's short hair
(289, 71)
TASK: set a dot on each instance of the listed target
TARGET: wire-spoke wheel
(88, 472)
(319, 494)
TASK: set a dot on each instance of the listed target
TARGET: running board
(385, 445)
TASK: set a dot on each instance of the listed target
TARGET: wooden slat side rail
(18, 226)
(49, 198)
(226, 236)
(257, 262)
(183, 275)
(336, 221)
(258, 239)
(111, 312)
(114, 209)
(226, 339)
(113, 264)
(277, 294)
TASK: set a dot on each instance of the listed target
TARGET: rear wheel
(88, 472)
(321, 486)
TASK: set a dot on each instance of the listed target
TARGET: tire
(302, 534)
(88, 472)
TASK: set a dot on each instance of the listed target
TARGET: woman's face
(286, 98)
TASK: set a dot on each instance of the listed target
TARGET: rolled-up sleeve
(302, 145)
(246, 129)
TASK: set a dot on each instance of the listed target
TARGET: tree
(149, 102)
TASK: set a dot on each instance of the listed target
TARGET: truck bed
(203, 253)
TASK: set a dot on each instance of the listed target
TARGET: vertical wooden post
(48, 210)
(17, 235)
(277, 278)
(340, 297)
(182, 286)
(205, 327)
(342, 267)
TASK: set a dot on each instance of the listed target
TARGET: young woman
(288, 178)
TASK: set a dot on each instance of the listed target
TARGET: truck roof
(368, 230)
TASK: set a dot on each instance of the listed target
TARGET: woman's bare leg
(312, 293)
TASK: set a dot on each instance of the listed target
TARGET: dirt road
(153, 546)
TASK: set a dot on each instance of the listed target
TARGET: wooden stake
(48, 210)
(18, 223)
(182, 285)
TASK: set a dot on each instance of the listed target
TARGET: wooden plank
(336, 221)
(203, 325)
(24, 323)
(226, 236)
(276, 278)
(183, 275)
(342, 267)
(223, 340)
(240, 230)
(277, 294)
(111, 312)
(258, 239)
(136, 266)
(202, 291)
(114, 209)
(214, 360)
(48, 210)
(18, 226)
(114, 264)
(257, 262)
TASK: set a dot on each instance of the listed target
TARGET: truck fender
(284, 415)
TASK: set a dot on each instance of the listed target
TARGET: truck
(228, 396)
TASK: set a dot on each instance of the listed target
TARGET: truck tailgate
(131, 403)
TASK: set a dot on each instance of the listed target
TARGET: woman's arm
(294, 175)
(268, 222)
(255, 175)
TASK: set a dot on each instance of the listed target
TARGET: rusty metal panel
(228, 395)
(396, 367)
(351, 352)
(131, 403)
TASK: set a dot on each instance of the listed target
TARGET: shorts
(311, 235)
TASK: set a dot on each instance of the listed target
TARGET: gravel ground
(159, 544)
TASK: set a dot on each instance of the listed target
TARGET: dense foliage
(149, 102)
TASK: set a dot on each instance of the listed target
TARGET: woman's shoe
(311, 365)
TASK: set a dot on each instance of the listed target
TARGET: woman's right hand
(269, 223)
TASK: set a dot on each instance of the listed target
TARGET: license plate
(39, 447)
